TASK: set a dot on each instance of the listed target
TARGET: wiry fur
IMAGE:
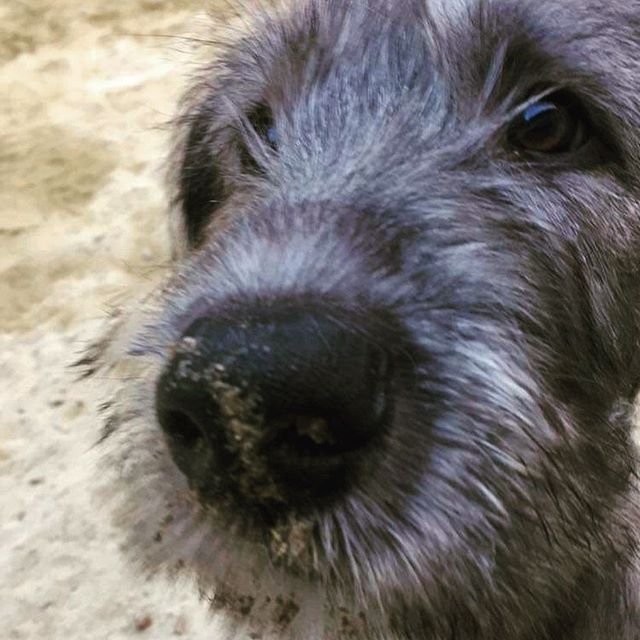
(503, 503)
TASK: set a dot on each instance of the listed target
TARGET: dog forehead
(558, 25)
(464, 34)
(458, 12)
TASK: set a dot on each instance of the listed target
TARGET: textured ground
(86, 87)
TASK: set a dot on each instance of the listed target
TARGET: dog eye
(552, 125)
(261, 119)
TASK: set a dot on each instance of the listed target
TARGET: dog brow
(507, 51)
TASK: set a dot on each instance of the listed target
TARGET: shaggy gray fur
(503, 504)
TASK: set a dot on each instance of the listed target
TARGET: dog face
(391, 371)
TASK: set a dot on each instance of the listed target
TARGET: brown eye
(552, 125)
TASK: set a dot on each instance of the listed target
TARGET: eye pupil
(553, 125)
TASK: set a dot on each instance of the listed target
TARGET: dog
(386, 390)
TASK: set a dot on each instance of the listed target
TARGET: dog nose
(276, 403)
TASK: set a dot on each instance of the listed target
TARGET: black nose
(275, 404)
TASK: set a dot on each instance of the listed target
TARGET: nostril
(182, 430)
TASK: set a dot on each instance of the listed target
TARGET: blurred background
(87, 89)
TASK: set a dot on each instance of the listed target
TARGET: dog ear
(201, 188)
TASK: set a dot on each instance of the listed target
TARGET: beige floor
(86, 87)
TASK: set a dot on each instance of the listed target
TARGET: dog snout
(289, 395)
